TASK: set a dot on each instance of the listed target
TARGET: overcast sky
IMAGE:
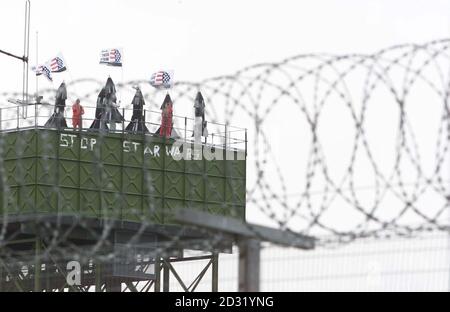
(204, 38)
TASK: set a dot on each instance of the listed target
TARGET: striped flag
(42, 70)
(162, 79)
(57, 64)
(111, 57)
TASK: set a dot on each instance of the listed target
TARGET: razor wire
(307, 196)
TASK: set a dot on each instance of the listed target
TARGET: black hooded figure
(99, 110)
(112, 114)
(137, 123)
(200, 123)
(57, 120)
(107, 111)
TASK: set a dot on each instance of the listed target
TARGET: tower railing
(16, 117)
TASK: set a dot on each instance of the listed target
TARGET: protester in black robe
(137, 123)
(106, 111)
(99, 110)
(57, 120)
(200, 125)
(111, 114)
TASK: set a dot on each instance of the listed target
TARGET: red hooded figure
(166, 117)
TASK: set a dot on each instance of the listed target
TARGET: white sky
(201, 38)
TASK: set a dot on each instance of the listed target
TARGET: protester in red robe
(166, 117)
(77, 111)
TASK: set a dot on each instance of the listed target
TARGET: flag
(43, 70)
(57, 64)
(111, 57)
(162, 79)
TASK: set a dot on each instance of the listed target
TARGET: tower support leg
(37, 265)
(157, 274)
(215, 272)
(166, 277)
(98, 277)
(249, 262)
(113, 285)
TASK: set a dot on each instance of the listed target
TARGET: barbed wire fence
(372, 264)
(345, 148)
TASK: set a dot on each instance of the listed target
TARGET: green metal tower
(106, 200)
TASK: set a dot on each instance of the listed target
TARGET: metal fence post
(143, 124)
(185, 129)
(226, 136)
(245, 141)
(123, 120)
(35, 115)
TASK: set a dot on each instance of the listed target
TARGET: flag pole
(37, 62)
(37, 83)
(120, 95)
(121, 70)
(26, 49)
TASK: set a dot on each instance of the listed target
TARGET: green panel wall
(124, 177)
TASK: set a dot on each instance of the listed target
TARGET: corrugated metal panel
(127, 177)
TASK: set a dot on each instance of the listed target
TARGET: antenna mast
(26, 50)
